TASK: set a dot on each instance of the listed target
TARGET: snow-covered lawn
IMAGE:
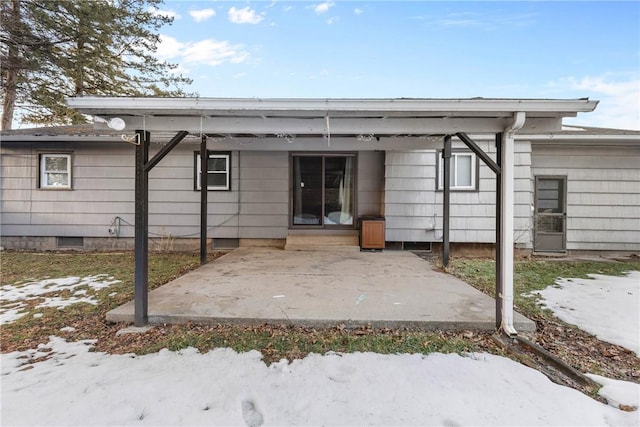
(77, 387)
(14, 298)
(605, 306)
(64, 383)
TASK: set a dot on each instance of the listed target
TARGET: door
(323, 190)
(550, 219)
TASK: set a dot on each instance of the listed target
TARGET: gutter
(518, 121)
(506, 232)
(190, 106)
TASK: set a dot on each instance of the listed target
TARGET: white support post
(506, 232)
(506, 225)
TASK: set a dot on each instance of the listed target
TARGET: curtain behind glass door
(338, 202)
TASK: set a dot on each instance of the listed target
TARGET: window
(55, 171)
(463, 171)
(218, 171)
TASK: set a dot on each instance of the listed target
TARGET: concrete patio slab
(321, 288)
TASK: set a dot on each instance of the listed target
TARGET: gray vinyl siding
(103, 188)
(264, 195)
(413, 206)
(603, 201)
(370, 182)
(256, 206)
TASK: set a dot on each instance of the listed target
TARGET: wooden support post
(141, 276)
(446, 161)
(141, 226)
(204, 160)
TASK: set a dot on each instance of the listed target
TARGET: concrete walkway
(321, 288)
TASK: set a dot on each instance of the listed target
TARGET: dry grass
(581, 350)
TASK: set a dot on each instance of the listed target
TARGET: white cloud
(166, 12)
(245, 15)
(488, 20)
(168, 47)
(207, 52)
(202, 14)
(321, 73)
(358, 11)
(333, 20)
(619, 97)
(323, 7)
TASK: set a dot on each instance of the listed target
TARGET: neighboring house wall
(603, 193)
(413, 207)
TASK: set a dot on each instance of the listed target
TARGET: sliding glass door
(323, 190)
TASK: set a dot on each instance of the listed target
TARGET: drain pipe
(506, 227)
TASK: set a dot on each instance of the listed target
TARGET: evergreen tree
(54, 49)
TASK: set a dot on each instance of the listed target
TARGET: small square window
(462, 173)
(218, 171)
(55, 171)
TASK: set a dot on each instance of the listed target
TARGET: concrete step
(308, 242)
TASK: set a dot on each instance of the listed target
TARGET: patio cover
(392, 119)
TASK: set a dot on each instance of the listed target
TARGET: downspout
(506, 227)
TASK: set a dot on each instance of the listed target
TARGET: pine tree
(55, 49)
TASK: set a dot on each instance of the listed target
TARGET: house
(575, 189)
(290, 172)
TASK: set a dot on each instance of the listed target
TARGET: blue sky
(419, 49)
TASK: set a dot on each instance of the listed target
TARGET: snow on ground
(14, 298)
(605, 306)
(65, 383)
(77, 387)
(609, 308)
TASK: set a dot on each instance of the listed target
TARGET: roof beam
(338, 126)
(478, 151)
(165, 150)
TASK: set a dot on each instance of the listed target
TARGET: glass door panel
(307, 190)
(323, 190)
(338, 195)
(550, 215)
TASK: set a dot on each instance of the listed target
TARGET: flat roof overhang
(303, 116)
(265, 117)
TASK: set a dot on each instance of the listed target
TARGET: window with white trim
(463, 171)
(218, 171)
(55, 171)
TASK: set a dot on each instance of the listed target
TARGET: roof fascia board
(204, 106)
(59, 138)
